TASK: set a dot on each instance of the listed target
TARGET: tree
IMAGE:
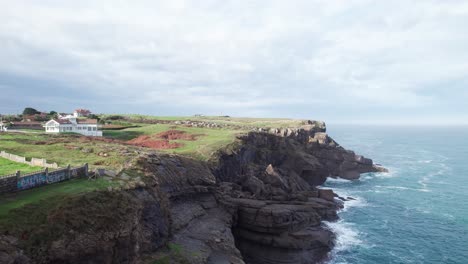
(93, 116)
(30, 111)
(52, 114)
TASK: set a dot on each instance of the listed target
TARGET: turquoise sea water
(416, 213)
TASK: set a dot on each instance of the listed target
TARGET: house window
(94, 129)
(89, 129)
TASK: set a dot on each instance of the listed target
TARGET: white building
(87, 127)
(3, 127)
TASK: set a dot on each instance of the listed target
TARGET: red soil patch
(176, 134)
(157, 141)
(148, 142)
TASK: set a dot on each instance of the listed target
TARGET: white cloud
(240, 56)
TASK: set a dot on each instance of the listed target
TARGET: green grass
(173, 254)
(137, 116)
(10, 167)
(208, 141)
(67, 149)
(63, 149)
(28, 130)
(48, 218)
(20, 199)
(234, 121)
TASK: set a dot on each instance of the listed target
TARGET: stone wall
(34, 161)
(17, 182)
(8, 183)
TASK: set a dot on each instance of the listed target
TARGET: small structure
(81, 113)
(3, 127)
(87, 127)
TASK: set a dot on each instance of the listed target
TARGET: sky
(352, 61)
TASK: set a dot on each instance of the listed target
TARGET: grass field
(235, 121)
(17, 200)
(71, 149)
(75, 150)
(208, 141)
(62, 149)
(10, 167)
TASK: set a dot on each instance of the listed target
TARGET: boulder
(326, 194)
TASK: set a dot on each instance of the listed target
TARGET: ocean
(416, 213)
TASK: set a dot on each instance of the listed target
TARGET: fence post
(68, 171)
(86, 169)
(17, 178)
(46, 171)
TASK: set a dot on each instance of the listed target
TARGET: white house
(3, 127)
(87, 127)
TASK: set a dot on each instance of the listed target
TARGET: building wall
(87, 130)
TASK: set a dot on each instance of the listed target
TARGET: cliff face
(256, 202)
(271, 180)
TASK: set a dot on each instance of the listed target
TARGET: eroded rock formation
(257, 201)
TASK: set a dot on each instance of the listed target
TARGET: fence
(17, 182)
(34, 161)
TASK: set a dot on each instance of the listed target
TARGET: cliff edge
(256, 201)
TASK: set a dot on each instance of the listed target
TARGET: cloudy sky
(339, 61)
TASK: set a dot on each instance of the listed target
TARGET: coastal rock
(306, 246)
(257, 201)
(328, 195)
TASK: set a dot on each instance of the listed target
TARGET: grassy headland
(115, 150)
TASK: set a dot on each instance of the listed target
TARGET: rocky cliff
(256, 201)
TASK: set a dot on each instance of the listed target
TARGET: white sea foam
(425, 180)
(357, 201)
(403, 188)
(337, 180)
(392, 172)
(425, 161)
(449, 216)
(346, 235)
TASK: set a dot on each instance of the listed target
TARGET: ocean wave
(423, 182)
(441, 171)
(346, 235)
(425, 161)
(357, 201)
(403, 188)
(392, 173)
(337, 180)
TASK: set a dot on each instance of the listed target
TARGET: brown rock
(325, 194)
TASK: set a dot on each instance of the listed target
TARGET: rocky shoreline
(256, 201)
